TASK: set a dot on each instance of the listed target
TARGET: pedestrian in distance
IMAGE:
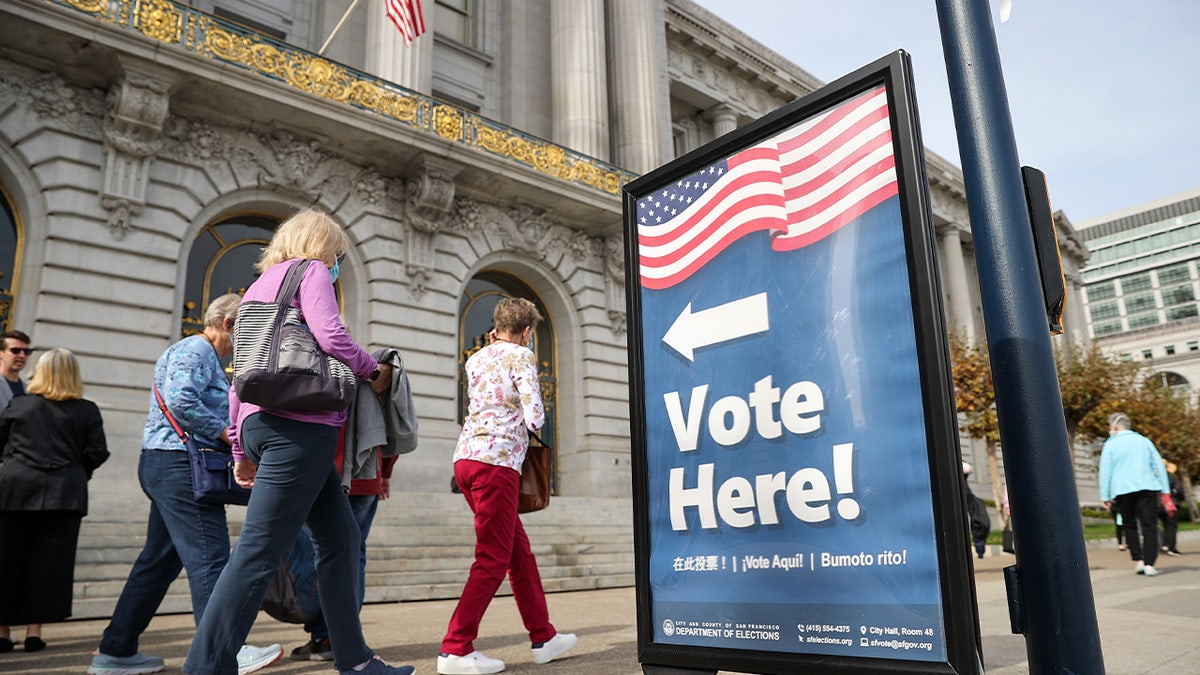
(1132, 476)
(505, 404)
(977, 516)
(1169, 517)
(181, 533)
(51, 441)
(286, 457)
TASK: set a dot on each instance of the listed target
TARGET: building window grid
(1105, 310)
(1144, 320)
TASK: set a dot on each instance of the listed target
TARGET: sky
(1104, 94)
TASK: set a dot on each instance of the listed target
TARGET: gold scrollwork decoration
(312, 74)
(159, 20)
(448, 123)
(549, 159)
(102, 9)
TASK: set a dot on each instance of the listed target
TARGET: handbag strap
(170, 418)
(535, 437)
(283, 299)
(291, 283)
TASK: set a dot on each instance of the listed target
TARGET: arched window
(222, 261)
(483, 292)
(10, 258)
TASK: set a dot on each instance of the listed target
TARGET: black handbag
(277, 362)
(212, 470)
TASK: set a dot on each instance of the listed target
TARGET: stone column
(639, 91)
(955, 278)
(723, 118)
(389, 58)
(579, 70)
(1074, 322)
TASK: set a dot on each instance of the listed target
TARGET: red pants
(501, 547)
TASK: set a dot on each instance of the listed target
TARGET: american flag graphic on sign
(800, 185)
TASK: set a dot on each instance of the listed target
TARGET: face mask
(333, 271)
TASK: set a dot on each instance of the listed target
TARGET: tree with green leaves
(975, 399)
(1089, 379)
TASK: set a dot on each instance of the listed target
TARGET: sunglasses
(340, 255)
(21, 350)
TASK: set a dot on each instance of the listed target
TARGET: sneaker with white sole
(1150, 571)
(553, 648)
(251, 659)
(1139, 567)
(475, 663)
(138, 664)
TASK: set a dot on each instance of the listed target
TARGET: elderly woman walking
(181, 533)
(505, 405)
(287, 457)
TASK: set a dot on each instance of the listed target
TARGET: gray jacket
(379, 424)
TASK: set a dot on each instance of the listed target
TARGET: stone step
(421, 547)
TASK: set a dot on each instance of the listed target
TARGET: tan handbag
(535, 477)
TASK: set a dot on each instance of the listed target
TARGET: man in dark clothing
(14, 353)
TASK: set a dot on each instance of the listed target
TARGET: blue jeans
(181, 533)
(303, 563)
(296, 484)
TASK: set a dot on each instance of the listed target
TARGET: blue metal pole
(1054, 589)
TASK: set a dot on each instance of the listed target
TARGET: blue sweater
(193, 385)
(1129, 462)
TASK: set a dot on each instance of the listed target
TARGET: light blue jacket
(1129, 462)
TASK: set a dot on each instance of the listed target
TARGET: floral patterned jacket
(505, 400)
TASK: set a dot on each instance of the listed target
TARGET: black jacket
(50, 449)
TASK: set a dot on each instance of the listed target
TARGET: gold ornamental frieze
(101, 9)
(550, 159)
(159, 20)
(212, 38)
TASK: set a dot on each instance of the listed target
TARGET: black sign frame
(957, 584)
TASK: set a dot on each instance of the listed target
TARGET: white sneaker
(1139, 568)
(251, 658)
(1150, 571)
(475, 663)
(558, 645)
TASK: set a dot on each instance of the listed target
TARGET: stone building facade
(147, 149)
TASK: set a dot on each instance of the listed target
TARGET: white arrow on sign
(732, 320)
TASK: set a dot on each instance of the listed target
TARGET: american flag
(801, 186)
(407, 16)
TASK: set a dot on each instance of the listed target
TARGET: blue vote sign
(790, 408)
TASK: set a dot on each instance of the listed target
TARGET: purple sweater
(318, 307)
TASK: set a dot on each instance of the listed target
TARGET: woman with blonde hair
(52, 440)
(286, 456)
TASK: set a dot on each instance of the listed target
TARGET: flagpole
(337, 28)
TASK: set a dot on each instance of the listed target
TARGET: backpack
(292, 593)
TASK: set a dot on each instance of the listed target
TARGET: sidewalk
(1147, 625)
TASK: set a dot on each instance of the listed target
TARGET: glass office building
(1142, 284)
